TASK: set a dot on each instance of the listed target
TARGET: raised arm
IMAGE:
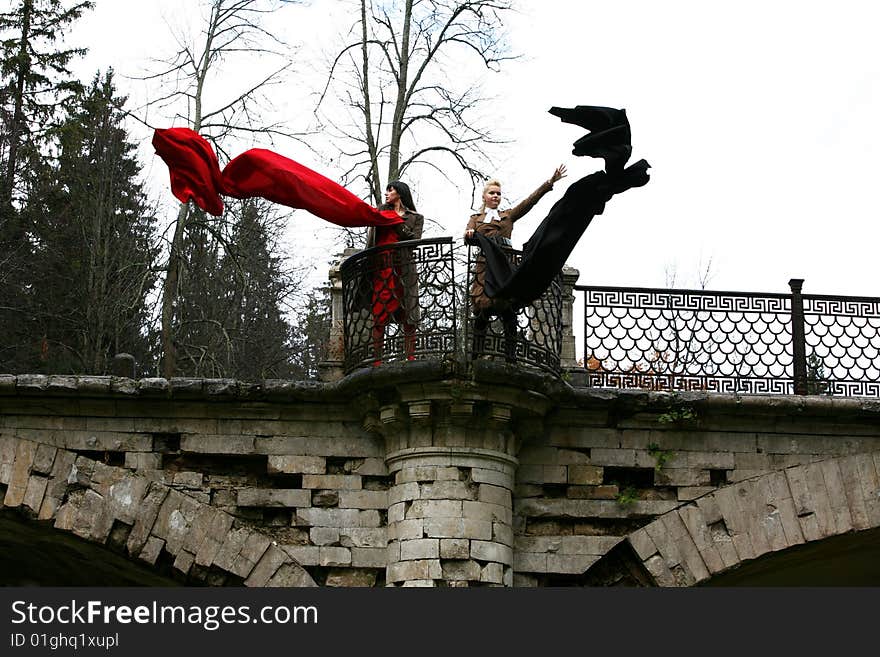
(522, 208)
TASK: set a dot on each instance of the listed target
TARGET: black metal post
(798, 340)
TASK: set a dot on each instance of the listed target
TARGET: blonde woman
(498, 225)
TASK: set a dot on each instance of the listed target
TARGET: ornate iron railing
(731, 341)
(404, 302)
(399, 303)
(538, 333)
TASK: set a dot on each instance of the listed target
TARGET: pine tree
(95, 248)
(234, 289)
(34, 83)
(31, 87)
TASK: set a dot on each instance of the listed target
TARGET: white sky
(761, 120)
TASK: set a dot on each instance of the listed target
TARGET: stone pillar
(330, 369)
(450, 509)
(568, 357)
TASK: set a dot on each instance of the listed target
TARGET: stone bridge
(430, 474)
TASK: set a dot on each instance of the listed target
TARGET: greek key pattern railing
(731, 342)
(842, 336)
(538, 336)
(399, 303)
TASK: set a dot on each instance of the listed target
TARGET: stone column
(450, 508)
(568, 357)
(330, 369)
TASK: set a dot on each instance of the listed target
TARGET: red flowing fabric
(195, 174)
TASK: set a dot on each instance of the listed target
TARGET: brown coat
(502, 228)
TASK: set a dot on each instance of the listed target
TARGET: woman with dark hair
(395, 280)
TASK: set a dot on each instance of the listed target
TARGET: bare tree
(232, 29)
(404, 104)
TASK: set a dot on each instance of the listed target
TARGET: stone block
(492, 573)
(351, 577)
(447, 490)
(217, 444)
(274, 497)
(396, 512)
(495, 495)
(689, 554)
(33, 494)
(44, 458)
(305, 555)
(283, 464)
(585, 475)
(711, 460)
(661, 573)
(483, 476)
(502, 533)
(458, 528)
(423, 548)
(334, 556)
(525, 562)
(642, 544)
(369, 518)
(407, 529)
(681, 477)
(405, 492)
(435, 509)
(184, 561)
(370, 537)
(25, 451)
(188, 479)
(486, 511)
(454, 548)
(315, 517)
(489, 551)
(363, 499)
(414, 570)
(151, 550)
(625, 458)
(369, 557)
(147, 512)
(339, 482)
(266, 567)
(324, 535)
(374, 467)
(570, 564)
(462, 570)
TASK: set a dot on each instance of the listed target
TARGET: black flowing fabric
(546, 251)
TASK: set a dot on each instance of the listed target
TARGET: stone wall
(420, 475)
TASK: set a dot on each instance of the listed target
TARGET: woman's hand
(559, 174)
(468, 233)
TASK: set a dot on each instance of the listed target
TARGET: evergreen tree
(234, 290)
(33, 78)
(34, 81)
(95, 254)
(311, 334)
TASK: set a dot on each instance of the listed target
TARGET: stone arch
(741, 522)
(149, 519)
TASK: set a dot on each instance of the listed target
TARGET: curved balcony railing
(404, 302)
(399, 303)
(537, 341)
